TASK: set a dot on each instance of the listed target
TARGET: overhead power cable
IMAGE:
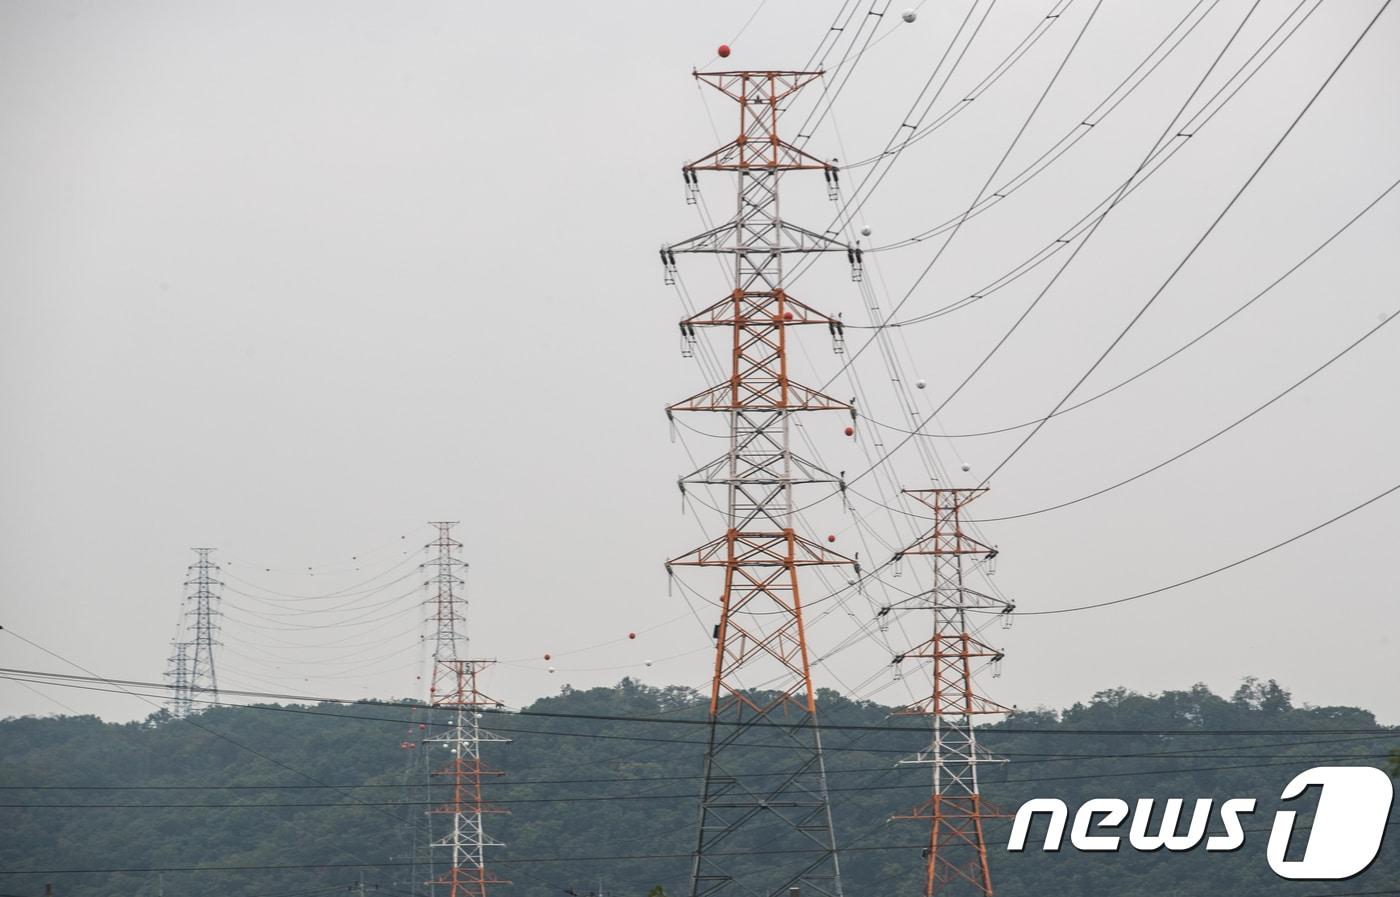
(1195, 246)
(1221, 569)
(598, 717)
(1170, 355)
(1121, 192)
(1209, 439)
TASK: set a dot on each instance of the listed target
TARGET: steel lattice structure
(454, 688)
(178, 675)
(203, 599)
(751, 800)
(956, 857)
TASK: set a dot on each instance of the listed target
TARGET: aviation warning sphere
(723, 51)
(865, 231)
(966, 467)
(921, 383)
(909, 15)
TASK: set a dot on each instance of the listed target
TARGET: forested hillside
(292, 800)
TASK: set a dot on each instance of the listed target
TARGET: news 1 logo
(1344, 838)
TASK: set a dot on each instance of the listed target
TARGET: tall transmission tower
(955, 860)
(449, 605)
(203, 600)
(454, 688)
(760, 799)
(178, 675)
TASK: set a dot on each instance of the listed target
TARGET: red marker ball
(723, 51)
(546, 657)
(631, 635)
(787, 316)
(831, 538)
(850, 431)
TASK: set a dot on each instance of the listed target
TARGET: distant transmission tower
(178, 675)
(761, 800)
(454, 688)
(203, 598)
(955, 861)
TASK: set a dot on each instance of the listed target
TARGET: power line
(1204, 442)
(1195, 246)
(546, 714)
(1221, 569)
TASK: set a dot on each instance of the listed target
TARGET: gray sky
(292, 279)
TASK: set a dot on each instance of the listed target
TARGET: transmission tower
(454, 688)
(203, 599)
(178, 675)
(760, 799)
(955, 860)
(449, 603)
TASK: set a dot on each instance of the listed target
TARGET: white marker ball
(909, 15)
(921, 383)
(551, 669)
(866, 231)
(966, 467)
(648, 663)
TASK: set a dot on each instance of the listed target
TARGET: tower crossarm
(764, 465)
(771, 236)
(759, 549)
(761, 391)
(963, 599)
(742, 308)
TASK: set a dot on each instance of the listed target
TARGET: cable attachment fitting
(854, 256)
(833, 182)
(668, 265)
(687, 339)
(692, 185)
(838, 335)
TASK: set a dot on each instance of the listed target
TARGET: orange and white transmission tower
(454, 688)
(756, 797)
(955, 860)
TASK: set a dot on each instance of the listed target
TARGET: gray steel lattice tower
(448, 601)
(203, 584)
(761, 799)
(178, 674)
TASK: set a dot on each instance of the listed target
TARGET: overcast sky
(292, 279)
